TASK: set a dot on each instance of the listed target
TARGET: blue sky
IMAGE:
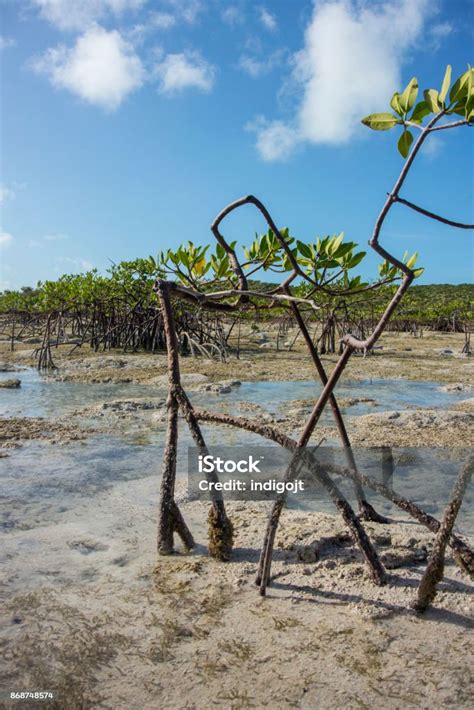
(128, 124)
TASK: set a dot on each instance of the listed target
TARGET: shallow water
(389, 394)
(41, 483)
(40, 396)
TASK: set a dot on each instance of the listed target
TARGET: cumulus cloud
(101, 68)
(81, 14)
(177, 72)
(349, 66)
(6, 193)
(275, 140)
(267, 19)
(5, 239)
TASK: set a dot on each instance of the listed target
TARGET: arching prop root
(220, 535)
(463, 554)
(358, 533)
(220, 530)
(435, 568)
(367, 511)
(170, 518)
(356, 529)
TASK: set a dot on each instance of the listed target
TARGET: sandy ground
(435, 356)
(91, 612)
(99, 619)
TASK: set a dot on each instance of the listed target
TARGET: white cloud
(349, 67)
(251, 66)
(232, 15)
(5, 239)
(81, 14)
(162, 20)
(101, 68)
(267, 19)
(439, 32)
(154, 21)
(178, 72)
(6, 42)
(171, 14)
(6, 193)
(255, 67)
(275, 140)
(187, 10)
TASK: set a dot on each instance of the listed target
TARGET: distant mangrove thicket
(120, 309)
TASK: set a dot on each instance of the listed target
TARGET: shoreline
(401, 356)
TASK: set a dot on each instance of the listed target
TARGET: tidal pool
(41, 396)
(41, 482)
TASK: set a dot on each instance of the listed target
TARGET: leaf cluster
(406, 112)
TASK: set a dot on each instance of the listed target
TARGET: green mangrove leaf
(304, 249)
(356, 259)
(395, 103)
(287, 263)
(334, 244)
(199, 266)
(380, 121)
(328, 264)
(420, 111)
(446, 83)
(469, 110)
(408, 97)
(432, 100)
(412, 260)
(460, 107)
(462, 86)
(404, 143)
(343, 250)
